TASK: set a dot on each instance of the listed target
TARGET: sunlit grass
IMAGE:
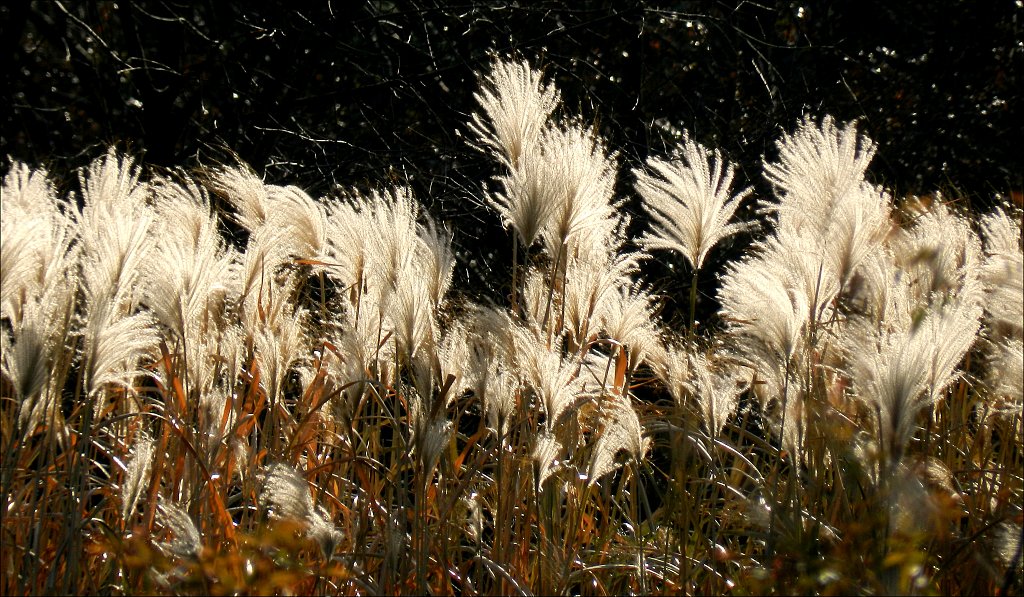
(311, 408)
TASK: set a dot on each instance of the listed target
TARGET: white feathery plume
(472, 514)
(940, 252)
(411, 315)
(265, 253)
(818, 167)
(115, 345)
(807, 269)
(347, 245)
(829, 221)
(604, 240)
(36, 238)
(789, 423)
(554, 379)
(596, 373)
(537, 298)
(273, 307)
(286, 494)
(362, 355)
(28, 364)
(435, 260)
(489, 371)
(137, 477)
(391, 230)
(36, 355)
(672, 366)
(768, 315)
(494, 328)
(278, 345)
(441, 373)
(26, 189)
(588, 284)
(859, 225)
(18, 242)
(227, 349)
(114, 252)
(902, 371)
(293, 210)
(187, 541)
(453, 356)
(761, 305)
(245, 192)
(38, 259)
(945, 337)
(214, 373)
(547, 451)
(283, 222)
(1006, 377)
(1003, 272)
(496, 386)
(182, 208)
(516, 106)
(689, 202)
(716, 390)
(882, 294)
(559, 189)
(110, 185)
(430, 430)
(627, 316)
(583, 173)
(528, 196)
(190, 274)
(114, 225)
(621, 430)
(773, 385)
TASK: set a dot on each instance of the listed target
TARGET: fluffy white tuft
(516, 106)
(690, 203)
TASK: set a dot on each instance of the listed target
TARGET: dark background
(335, 95)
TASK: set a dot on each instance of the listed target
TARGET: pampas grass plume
(516, 105)
(286, 494)
(689, 202)
(136, 478)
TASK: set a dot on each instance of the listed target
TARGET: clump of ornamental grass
(306, 409)
(691, 207)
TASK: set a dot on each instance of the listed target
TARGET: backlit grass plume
(690, 202)
(286, 495)
(516, 105)
(910, 368)
(821, 167)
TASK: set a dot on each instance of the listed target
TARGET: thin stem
(515, 272)
(499, 534)
(693, 302)
(323, 297)
(551, 289)
(778, 465)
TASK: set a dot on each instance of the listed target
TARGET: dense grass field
(215, 385)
